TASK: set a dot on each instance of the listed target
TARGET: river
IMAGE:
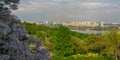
(90, 31)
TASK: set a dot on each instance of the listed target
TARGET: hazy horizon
(69, 10)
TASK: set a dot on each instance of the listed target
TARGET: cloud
(33, 7)
(94, 4)
(68, 9)
(63, 0)
(38, 6)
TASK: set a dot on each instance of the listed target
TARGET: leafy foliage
(15, 42)
(8, 4)
(64, 43)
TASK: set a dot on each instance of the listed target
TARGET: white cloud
(94, 4)
(63, 0)
(56, 9)
(90, 4)
(37, 6)
(33, 7)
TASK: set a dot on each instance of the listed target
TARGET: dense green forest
(67, 45)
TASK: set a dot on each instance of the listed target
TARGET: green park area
(65, 44)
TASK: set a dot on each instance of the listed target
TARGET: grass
(85, 58)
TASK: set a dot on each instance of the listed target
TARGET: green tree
(63, 44)
(113, 40)
(80, 46)
(97, 44)
(42, 35)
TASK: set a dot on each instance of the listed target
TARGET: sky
(69, 10)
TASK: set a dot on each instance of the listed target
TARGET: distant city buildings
(77, 24)
(90, 24)
(101, 24)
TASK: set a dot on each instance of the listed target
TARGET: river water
(90, 31)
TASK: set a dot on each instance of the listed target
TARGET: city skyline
(69, 10)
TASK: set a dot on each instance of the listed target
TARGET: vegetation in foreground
(67, 45)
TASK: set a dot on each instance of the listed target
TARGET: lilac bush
(15, 43)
